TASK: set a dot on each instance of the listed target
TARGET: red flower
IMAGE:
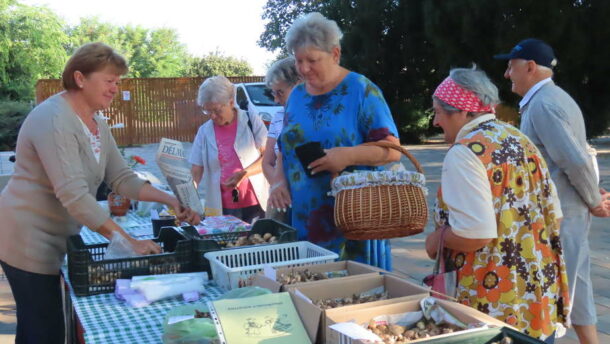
(138, 159)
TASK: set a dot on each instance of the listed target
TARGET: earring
(81, 86)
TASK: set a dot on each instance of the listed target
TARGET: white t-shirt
(466, 190)
(275, 128)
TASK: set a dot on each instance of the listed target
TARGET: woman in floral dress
(499, 210)
(340, 109)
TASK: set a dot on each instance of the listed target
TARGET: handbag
(442, 282)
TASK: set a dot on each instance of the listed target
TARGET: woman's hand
(144, 247)
(279, 197)
(432, 242)
(236, 179)
(185, 214)
(335, 161)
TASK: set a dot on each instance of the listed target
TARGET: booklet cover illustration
(268, 318)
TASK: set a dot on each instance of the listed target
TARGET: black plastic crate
(215, 242)
(89, 274)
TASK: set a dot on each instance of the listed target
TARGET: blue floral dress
(353, 113)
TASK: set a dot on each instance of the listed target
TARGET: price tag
(126, 95)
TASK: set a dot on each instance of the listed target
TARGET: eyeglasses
(217, 111)
(277, 93)
(235, 194)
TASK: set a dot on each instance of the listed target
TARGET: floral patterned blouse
(520, 276)
(353, 113)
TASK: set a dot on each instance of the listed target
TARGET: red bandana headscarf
(454, 95)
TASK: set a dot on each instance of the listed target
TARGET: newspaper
(171, 159)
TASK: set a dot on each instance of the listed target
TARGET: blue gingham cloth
(105, 319)
(136, 226)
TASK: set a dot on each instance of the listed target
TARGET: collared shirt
(467, 192)
(530, 93)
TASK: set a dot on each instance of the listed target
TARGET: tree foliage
(150, 53)
(217, 63)
(32, 41)
(35, 44)
(408, 46)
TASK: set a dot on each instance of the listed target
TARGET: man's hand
(603, 209)
(233, 181)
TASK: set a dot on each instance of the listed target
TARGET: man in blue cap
(554, 122)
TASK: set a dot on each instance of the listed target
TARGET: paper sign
(355, 331)
(126, 95)
(270, 318)
(269, 272)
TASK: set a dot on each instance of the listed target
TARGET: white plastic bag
(157, 287)
(119, 247)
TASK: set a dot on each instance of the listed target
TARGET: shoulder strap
(249, 122)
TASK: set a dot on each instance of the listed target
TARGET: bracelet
(276, 185)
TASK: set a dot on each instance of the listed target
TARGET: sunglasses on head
(235, 194)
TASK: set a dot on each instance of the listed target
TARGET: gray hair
(283, 70)
(476, 81)
(313, 30)
(215, 89)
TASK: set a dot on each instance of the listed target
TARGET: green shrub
(12, 114)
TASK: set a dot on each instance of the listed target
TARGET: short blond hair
(89, 58)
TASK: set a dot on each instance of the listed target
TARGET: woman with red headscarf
(498, 212)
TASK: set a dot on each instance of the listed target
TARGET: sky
(231, 26)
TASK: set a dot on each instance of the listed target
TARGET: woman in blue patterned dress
(340, 109)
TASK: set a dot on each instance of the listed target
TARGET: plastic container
(162, 221)
(216, 242)
(233, 268)
(89, 274)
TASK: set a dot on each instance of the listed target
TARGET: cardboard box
(364, 315)
(353, 269)
(398, 290)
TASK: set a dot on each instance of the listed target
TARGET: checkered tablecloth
(136, 226)
(108, 320)
(105, 319)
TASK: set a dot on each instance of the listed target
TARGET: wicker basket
(382, 211)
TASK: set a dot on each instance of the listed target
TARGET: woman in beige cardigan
(64, 152)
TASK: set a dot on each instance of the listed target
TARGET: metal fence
(150, 108)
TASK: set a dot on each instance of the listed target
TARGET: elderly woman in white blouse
(227, 154)
(281, 78)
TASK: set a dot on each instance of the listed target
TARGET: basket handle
(386, 144)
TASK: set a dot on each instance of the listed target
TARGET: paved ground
(409, 255)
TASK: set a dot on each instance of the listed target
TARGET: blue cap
(531, 49)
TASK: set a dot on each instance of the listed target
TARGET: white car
(256, 98)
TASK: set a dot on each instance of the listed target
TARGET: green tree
(384, 41)
(577, 31)
(150, 53)
(408, 46)
(217, 63)
(279, 15)
(32, 47)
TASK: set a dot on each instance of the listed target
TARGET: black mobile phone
(308, 153)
